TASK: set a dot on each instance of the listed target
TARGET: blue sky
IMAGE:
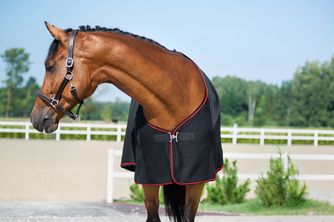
(256, 39)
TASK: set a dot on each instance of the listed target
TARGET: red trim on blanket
(172, 170)
(171, 143)
(203, 181)
(155, 127)
(154, 184)
(191, 115)
(200, 107)
(182, 184)
(128, 164)
(173, 178)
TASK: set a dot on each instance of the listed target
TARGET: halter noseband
(54, 101)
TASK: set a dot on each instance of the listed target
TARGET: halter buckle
(69, 62)
(54, 102)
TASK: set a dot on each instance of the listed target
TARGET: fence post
(88, 135)
(58, 133)
(316, 137)
(285, 161)
(110, 176)
(289, 137)
(235, 134)
(27, 129)
(119, 134)
(261, 136)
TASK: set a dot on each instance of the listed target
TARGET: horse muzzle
(43, 121)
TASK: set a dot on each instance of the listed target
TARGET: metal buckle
(69, 76)
(54, 102)
(69, 62)
(77, 118)
(172, 137)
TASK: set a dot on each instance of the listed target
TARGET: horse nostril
(46, 118)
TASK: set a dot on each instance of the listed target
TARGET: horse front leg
(193, 196)
(152, 203)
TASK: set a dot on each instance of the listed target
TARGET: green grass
(254, 207)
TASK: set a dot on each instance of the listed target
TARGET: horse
(170, 97)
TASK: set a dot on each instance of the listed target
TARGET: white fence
(233, 134)
(86, 129)
(112, 175)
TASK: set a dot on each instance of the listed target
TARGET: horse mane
(97, 28)
(54, 45)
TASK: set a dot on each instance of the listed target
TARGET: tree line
(304, 101)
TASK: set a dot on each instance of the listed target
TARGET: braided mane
(54, 45)
(97, 28)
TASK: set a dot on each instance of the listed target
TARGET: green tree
(226, 189)
(17, 63)
(106, 112)
(91, 110)
(247, 102)
(312, 93)
(266, 112)
(284, 107)
(27, 98)
(253, 95)
(232, 93)
(120, 110)
(305, 101)
(281, 187)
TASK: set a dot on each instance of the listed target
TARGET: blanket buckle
(173, 137)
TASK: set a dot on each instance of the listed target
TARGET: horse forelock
(52, 50)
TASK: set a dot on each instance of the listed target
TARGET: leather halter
(54, 101)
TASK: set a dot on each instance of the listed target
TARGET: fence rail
(233, 134)
(112, 174)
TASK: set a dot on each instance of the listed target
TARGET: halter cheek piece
(68, 78)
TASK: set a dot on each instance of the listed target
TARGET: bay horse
(171, 97)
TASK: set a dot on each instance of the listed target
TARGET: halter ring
(69, 75)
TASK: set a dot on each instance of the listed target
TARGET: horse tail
(174, 197)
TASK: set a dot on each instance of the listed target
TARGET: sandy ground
(48, 181)
(76, 171)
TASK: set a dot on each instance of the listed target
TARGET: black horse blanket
(190, 154)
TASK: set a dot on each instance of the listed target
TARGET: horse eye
(49, 68)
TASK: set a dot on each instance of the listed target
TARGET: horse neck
(165, 83)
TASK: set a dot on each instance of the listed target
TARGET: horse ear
(57, 33)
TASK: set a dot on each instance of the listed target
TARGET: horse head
(66, 81)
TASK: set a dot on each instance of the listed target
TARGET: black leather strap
(71, 44)
(74, 93)
(69, 59)
(57, 107)
(61, 89)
